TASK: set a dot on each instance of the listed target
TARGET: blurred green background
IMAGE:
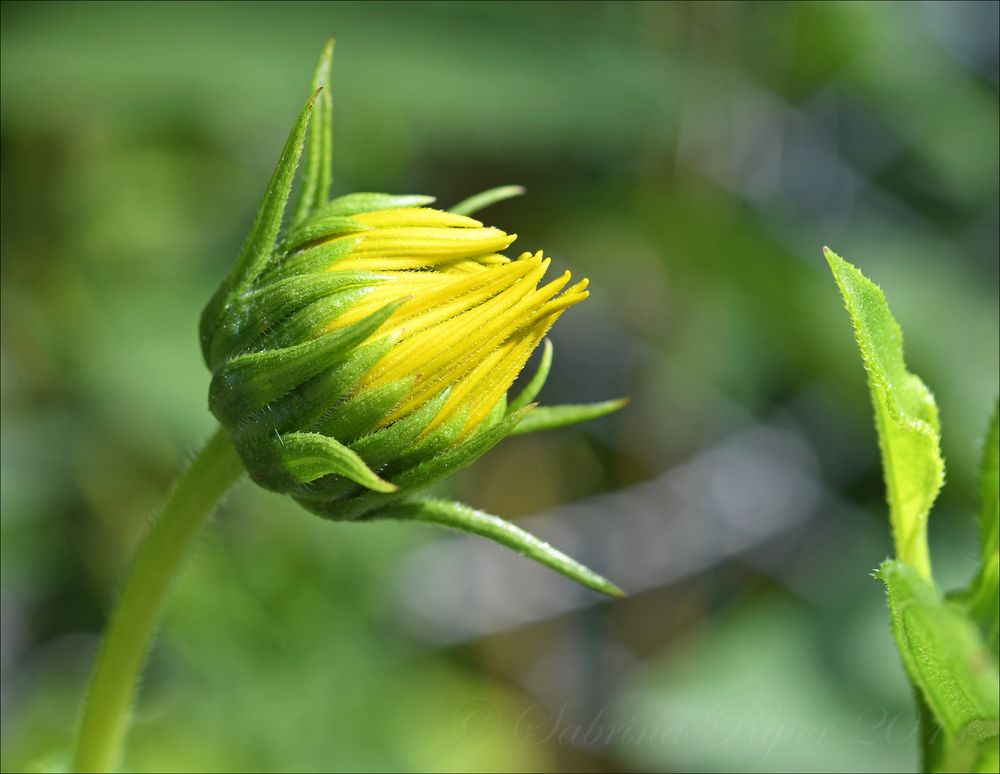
(691, 159)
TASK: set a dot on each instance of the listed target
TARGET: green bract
(364, 348)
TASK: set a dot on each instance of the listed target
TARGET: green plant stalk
(123, 652)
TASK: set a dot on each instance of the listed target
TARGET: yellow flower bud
(365, 349)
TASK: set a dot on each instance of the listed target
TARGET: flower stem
(113, 683)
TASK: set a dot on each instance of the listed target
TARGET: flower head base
(366, 350)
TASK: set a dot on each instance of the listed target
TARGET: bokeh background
(691, 159)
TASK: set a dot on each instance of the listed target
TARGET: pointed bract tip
(327, 54)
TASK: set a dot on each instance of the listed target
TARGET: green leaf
(466, 519)
(989, 488)
(531, 390)
(319, 163)
(905, 415)
(982, 598)
(481, 201)
(946, 659)
(549, 417)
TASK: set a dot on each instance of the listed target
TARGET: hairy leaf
(945, 658)
(905, 414)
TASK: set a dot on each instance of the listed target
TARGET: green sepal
(946, 659)
(383, 445)
(481, 201)
(356, 203)
(317, 228)
(426, 472)
(534, 386)
(328, 402)
(905, 414)
(249, 382)
(294, 459)
(211, 317)
(362, 412)
(432, 444)
(318, 258)
(498, 412)
(309, 406)
(253, 314)
(550, 417)
(318, 176)
(314, 319)
(474, 522)
(459, 456)
(261, 242)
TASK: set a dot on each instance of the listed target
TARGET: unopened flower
(366, 349)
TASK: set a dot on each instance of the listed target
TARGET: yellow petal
(416, 216)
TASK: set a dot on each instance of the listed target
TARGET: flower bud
(365, 350)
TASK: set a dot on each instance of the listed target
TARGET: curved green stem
(113, 682)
